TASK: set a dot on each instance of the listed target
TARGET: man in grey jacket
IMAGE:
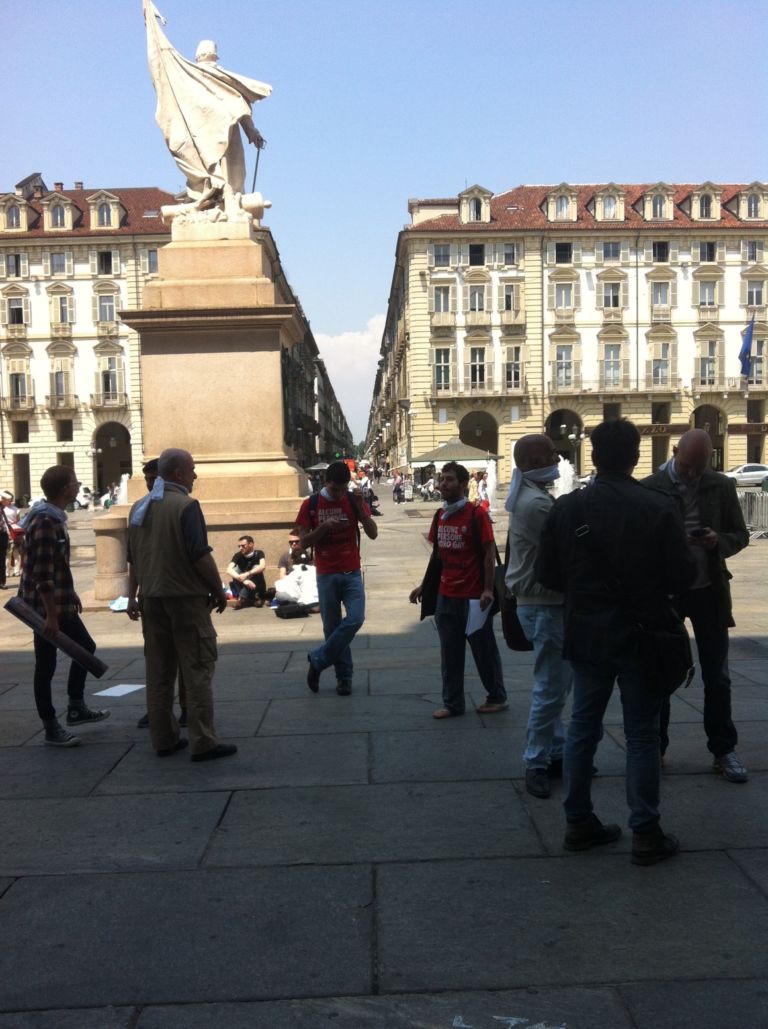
(540, 610)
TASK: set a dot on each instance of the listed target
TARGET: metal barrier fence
(754, 506)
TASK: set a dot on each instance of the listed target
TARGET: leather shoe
(313, 676)
(170, 751)
(220, 750)
(590, 833)
(537, 783)
(648, 848)
(343, 687)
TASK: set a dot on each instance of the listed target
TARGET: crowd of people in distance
(593, 575)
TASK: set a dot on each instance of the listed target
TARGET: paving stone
(688, 754)
(97, 834)
(553, 922)
(18, 727)
(328, 713)
(580, 1008)
(695, 1005)
(213, 935)
(259, 764)
(4, 885)
(754, 863)
(233, 720)
(40, 771)
(79, 1018)
(397, 822)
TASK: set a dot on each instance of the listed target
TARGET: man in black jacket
(715, 530)
(616, 550)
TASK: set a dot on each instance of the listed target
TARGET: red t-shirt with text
(338, 550)
(462, 574)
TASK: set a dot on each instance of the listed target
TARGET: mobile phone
(697, 532)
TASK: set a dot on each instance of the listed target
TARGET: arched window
(13, 217)
(609, 207)
(753, 206)
(658, 206)
(105, 214)
(57, 216)
(705, 206)
(476, 209)
(561, 207)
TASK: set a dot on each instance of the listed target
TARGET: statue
(200, 110)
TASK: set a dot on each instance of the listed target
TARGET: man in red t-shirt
(468, 556)
(328, 521)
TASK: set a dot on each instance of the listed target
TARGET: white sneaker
(730, 768)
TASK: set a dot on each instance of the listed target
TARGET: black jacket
(720, 510)
(636, 558)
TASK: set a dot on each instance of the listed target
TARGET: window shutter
(25, 310)
(720, 292)
(93, 257)
(550, 253)
(4, 311)
(673, 293)
(453, 299)
(430, 258)
(674, 250)
(576, 253)
(695, 252)
(431, 299)
(721, 250)
(95, 308)
(465, 298)
(673, 354)
(744, 250)
(500, 291)
(648, 251)
(577, 295)
(46, 263)
(463, 253)
(454, 255)
(120, 375)
(144, 259)
(71, 309)
(53, 313)
(760, 250)
(624, 298)
(624, 251)
(598, 253)
(69, 263)
(24, 265)
(743, 293)
(2, 266)
(115, 262)
(551, 296)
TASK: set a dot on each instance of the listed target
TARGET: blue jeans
(451, 622)
(334, 590)
(592, 688)
(543, 626)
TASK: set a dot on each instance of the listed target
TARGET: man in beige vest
(171, 564)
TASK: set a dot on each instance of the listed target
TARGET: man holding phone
(715, 530)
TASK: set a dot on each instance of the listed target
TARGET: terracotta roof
(136, 202)
(526, 214)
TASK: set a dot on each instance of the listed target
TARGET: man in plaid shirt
(47, 586)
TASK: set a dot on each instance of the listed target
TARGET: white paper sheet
(475, 617)
(120, 690)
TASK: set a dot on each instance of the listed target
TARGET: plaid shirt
(46, 566)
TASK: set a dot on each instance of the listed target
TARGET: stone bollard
(111, 530)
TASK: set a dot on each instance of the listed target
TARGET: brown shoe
(490, 707)
(648, 848)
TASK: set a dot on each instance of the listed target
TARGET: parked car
(748, 474)
(84, 498)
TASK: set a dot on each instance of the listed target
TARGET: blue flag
(745, 354)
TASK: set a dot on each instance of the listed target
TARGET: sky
(377, 102)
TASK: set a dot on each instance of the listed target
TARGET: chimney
(78, 185)
(59, 187)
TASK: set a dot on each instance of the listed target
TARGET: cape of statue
(200, 109)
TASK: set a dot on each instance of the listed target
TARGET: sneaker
(731, 769)
(57, 736)
(343, 687)
(81, 714)
(648, 848)
(313, 676)
(537, 783)
(590, 833)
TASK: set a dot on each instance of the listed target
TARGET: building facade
(550, 308)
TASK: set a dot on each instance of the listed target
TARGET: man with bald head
(540, 610)
(171, 563)
(715, 530)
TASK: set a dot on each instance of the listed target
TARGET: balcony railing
(477, 317)
(107, 328)
(564, 315)
(62, 402)
(565, 377)
(111, 400)
(13, 405)
(613, 376)
(61, 330)
(479, 380)
(661, 313)
(709, 313)
(513, 317)
(442, 319)
(16, 331)
(662, 377)
(715, 381)
(613, 314)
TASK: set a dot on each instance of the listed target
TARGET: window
(753, 251)
(510, 253)
(476, 209)
(660, 365)
(757, 363)
(18, 382)
(561, 208)
(477, 298)
(707, 251)
(13, 265)
(442, 299)
(152, 261)
(564, 366)
(705, 206)
(58, 264)
(707, 292)
(708, 364)
(509, 297)
(64, 430)
(612, 250)
(104, 262)
(609, 207)
(13, 217)
(660, 294)
(20, 432)
(563, 253)
(660, 251)
(15, 311)
(477, 253)
(657, 206)
(57, 216)
(60, 381)
(563, 296)
(612, 294)
(514, 368)
(110, 376)
(754, 292)
(442, 256)
(106, 308)
(612, 364)
(753, 206)
(105, 214)
(477, 367)
(62, 309)
(442, 368)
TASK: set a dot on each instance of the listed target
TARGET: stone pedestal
(212, 329)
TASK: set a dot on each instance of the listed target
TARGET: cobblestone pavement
(360, 864)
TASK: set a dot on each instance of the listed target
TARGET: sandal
(490, 707)
(443, 712)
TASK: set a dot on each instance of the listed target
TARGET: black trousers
(45, 666)
(451, 622)
(3, 555)
(710, 629)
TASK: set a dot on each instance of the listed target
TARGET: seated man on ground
(246, 571)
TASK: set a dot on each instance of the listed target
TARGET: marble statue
(201, 109)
